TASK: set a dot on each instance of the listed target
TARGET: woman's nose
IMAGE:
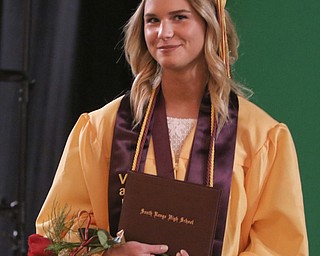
(165, 31)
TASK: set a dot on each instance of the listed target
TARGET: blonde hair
(147, 72)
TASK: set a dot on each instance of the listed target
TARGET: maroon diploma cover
(157, 210)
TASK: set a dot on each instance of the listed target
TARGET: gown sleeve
(275, 221)
(83, 163)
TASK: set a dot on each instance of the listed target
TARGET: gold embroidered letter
(123, 178)
(122, 191)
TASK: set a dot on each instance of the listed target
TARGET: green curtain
(279, 58)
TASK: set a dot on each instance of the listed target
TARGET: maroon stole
(124, 145)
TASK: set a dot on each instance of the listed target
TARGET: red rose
(37, 245)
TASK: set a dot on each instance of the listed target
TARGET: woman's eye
(152, 20)
(180, 17)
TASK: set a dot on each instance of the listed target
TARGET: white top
(179, 129)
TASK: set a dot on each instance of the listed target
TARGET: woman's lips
(168, 48)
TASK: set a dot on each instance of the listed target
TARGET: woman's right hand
(136, 249)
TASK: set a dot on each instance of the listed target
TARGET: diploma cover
(181, 215)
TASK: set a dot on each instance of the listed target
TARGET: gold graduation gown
(265, 214)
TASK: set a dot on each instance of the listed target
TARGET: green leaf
(103, 238)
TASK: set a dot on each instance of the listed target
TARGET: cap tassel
(223, 46)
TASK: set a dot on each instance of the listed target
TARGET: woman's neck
(183, 93)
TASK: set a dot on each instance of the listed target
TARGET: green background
(279, 58)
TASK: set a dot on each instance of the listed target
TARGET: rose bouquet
(54, 243)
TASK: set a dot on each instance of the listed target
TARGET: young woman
(180, 52)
